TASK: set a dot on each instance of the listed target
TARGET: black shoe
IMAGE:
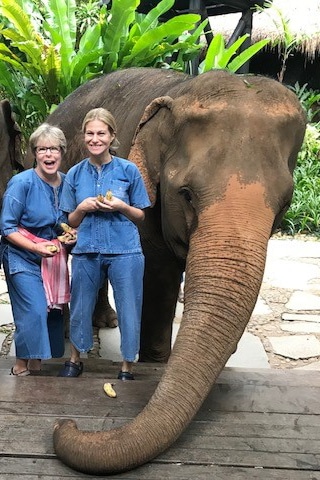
(125, 376)
(71, 369)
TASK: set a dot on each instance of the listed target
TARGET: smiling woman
(105, 194)
(31, 254)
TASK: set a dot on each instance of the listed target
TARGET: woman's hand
(134, 214)
(45, 249)
(113, 205)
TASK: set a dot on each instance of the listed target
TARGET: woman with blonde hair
(104, 197)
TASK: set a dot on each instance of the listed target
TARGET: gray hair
(48, 132)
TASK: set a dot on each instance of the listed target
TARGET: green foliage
(50, 47)
(303, 215)
(218, 56)
(310, 100)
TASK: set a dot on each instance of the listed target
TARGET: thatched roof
(302, 18)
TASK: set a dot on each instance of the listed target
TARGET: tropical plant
(310, 100)
(218, 56)
(45, 54)
(303, 215)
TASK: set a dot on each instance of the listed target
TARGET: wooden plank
(52, 469)
(254, 424)
(199, 444)
(101, 368)
(220, 434)
(97, 367)
(224, 396)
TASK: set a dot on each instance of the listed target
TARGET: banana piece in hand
(108, 196)
(107, 387)
(53, 248)
(66, 228)
(68, 235)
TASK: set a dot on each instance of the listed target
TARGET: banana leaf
(61, 24)
(151, 20)
(246, 55)
(122, 15)
(80, 63)
(173, 28)
(13, 12)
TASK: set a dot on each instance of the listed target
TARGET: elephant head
(217, 153)
(10, 141)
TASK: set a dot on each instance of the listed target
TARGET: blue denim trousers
(125, 273)
(38, 334)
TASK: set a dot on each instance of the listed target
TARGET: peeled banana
(108, 196)
(53, 248)
(107, 387)
(66, 228)
(68, 235)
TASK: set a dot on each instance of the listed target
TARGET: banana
(53, 248)
(107, 387)
(68, 235)
(66, 228)
(109, 195)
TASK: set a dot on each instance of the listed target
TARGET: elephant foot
(148, 357)
(108, 319)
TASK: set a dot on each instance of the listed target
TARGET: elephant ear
(145, 152)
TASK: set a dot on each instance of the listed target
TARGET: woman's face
(48, 156)
(97, 138)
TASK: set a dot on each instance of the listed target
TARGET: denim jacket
(105, 232)
(32, 203)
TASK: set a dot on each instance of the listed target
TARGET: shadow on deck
(255, 424)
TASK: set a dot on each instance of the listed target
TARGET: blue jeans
(125, 273)
(38, 334)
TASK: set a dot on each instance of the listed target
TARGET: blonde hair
(48, 132)
(106, 117)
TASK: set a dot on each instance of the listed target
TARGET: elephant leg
(104, 315)
(161, 287)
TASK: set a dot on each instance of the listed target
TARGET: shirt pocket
(124, 237)
(120, 189)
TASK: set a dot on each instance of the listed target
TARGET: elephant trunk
(223, 277)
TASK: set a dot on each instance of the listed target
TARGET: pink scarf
(54, 272)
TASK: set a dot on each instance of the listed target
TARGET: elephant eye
(186, 193)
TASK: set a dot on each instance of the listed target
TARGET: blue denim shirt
(105, 232)
(32, 203)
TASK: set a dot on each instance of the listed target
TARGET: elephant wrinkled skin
(217, 154)
(10, 145)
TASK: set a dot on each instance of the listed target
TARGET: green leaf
(246, 55)
(13, 12)
(81, 62)
(91, 39)
(122, 16)
(174, 27)
(152, 18)
(215, 50)
(61, 24)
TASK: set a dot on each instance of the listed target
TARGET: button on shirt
(105, 232)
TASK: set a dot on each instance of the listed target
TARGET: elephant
(10, 141)
(217, 153)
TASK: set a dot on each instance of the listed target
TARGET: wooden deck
(255, 424)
